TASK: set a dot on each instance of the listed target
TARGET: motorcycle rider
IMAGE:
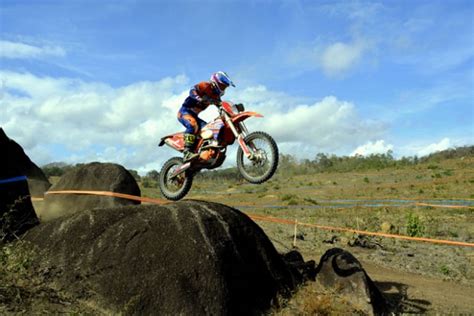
(200, 97)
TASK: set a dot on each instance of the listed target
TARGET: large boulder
(184, 258)
(17, 214)
(14, 162)
(93, 176)
(339, 271)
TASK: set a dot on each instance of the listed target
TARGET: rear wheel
(174, 188)
(264, 160)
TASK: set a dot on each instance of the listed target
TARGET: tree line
(290, 165)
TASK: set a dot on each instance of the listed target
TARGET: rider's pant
(190, 120)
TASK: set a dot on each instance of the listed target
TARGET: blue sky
(102, 80)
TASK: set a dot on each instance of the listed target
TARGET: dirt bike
(257, 155)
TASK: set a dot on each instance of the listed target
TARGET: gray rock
(94, 176)
(19, 164)
(17, 214)
(341, 272)
(184, 258)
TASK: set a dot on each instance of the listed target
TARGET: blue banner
(15, 179)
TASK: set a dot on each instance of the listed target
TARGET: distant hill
(459, 152)
(56, 164)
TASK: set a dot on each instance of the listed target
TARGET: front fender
(245, 115)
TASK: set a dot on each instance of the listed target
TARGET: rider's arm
(193, 93)
(204, 91)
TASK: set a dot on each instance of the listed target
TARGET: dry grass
(26, 288)
(313, 300)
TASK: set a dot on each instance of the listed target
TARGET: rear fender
(175, 141)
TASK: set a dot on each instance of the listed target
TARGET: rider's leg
(192, 127)
(189, 142)
(201, 122)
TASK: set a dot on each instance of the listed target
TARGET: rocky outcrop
(94, 176)
(17, 214)
(342, 273)
(184, 258)
(19, 164)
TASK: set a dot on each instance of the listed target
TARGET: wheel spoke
(262, 157)
(174, 188)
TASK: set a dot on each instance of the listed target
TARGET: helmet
(220, 80)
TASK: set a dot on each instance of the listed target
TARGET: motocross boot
(189, 154)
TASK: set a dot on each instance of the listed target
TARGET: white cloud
(424, 146)
(340, 57)
(89, 121)
(63, 119)
(330, 125)
(377, 147)
(20, 50)
(335, 59)
(443, 144)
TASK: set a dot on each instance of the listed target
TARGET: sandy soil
(418, 294)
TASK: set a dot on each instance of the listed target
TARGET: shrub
(444, 270)
(414, 226)
(288, 197)
(448, 172)
(147, 182)
(153, 175)
(311, 201)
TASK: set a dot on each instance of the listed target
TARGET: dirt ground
(407, 274)
(417, 294)
(419, 277)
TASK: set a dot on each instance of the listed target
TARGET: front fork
(249, 152)
(180, 170)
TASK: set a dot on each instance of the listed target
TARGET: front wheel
(174, 188)
(263, 162)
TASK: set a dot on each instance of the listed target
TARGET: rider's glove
(206, 99)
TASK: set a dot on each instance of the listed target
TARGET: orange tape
(363, 198)
(273, 219)
(445, 206)
(160, 201)
(363, 206)
(362, 232)
(113, 194)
